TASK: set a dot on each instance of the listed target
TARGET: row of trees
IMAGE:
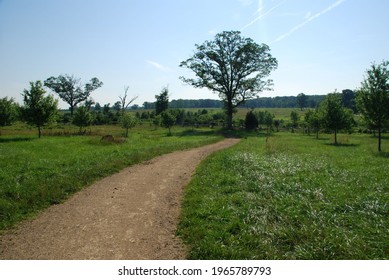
(332, 115)
(40, 109)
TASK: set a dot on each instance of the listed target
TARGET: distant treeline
(283, 102)
(188, 103)
(262, 102)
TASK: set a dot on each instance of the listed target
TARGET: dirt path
(130, 215)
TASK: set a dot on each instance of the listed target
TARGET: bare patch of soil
(130, 215)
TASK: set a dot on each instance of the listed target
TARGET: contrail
(260, 7)
(297, 27)
(262, 15)
(158, 66)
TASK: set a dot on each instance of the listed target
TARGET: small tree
(268, 121)
(302, 101)
(334, 116)
(127, 121)
(348, 99)
(123, 100)
(82, 118)
(277, 124)
(294, 117)
(8, 111)
(162, 102)
(38, 110)
(71, 90)
(157, 121)
(373, 98)
(312, 117)
(168, 120)
(251, 121)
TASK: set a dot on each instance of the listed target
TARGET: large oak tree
(232, 66)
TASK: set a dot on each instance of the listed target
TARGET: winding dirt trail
(132, 214)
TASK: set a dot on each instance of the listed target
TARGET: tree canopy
(162, 102)
(38, 109)
(8, 111)
(232, 66)
(302, 101)
(334, 116)
(373, 97)
(71, 90)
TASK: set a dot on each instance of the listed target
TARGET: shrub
(251, 121)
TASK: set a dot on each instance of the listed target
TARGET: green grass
(279, 113)
(36, 173)
(290, 197)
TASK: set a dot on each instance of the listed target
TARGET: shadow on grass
(195, 132)
(243, 133)
(16, 139)
(382, 154)
(234, 133)
(383, 136)
(342, 145)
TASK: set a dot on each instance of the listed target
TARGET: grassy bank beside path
(289, 197)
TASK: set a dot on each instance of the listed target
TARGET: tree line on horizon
(260, 102)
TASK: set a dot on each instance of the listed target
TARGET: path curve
(131, 215)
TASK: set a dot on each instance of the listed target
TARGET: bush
(251, 121)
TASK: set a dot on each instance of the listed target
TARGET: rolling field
(290, 197)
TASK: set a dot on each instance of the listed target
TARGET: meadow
(290, 196)
(283, 196)
(36, 173)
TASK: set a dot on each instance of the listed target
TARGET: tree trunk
(39, 132)
(379, 139)
(230, 111)
(229, 121)
(336, 140)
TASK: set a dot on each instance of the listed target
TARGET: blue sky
(320, 45)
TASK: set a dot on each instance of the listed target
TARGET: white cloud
(309, 19)
(159, 66)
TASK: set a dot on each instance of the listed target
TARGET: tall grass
(289, 197)
(35, 173)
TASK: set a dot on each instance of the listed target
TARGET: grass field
(36, 173)
(290, 197)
